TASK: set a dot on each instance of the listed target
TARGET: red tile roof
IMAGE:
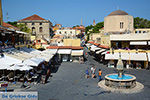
(34, 17)
(91, 42)
(9, 26)
(77, 48)
(104, 46)
(97, 44)
(52, 47)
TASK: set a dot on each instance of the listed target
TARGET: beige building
(71, 42)
(40, 27)
(67, 33)
(118, 22)
(142, 30)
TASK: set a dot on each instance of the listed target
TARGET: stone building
(40, 27)
(118, 22)
(67, 33)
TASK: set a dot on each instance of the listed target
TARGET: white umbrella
(25, 67)
(33, 61)
(14, 67)
(6, 60)
(3, 66)
(30, 62)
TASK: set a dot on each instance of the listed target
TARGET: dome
(118, 12)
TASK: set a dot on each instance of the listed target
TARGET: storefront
(132, 60)
(64, 54)
(77, 55)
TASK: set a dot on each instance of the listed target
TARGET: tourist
(93, 71)
(100, 74)
(87, 73)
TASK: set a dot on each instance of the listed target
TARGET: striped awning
(94, 49)
(100, 51)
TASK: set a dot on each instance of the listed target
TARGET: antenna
(81, 21)
(7, 17)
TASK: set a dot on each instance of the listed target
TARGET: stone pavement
(69, 83)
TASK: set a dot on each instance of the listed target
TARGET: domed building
(118, 22)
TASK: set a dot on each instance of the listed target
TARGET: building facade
(67, 33)
(118, 22)
(40, 27)
(142, 30)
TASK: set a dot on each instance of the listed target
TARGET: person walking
(100, 75)
(87, 73)
(93, 71)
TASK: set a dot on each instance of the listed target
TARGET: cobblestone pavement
(69, 83)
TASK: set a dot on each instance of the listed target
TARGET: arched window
(33, 31)
(41, 29)
(121, 25)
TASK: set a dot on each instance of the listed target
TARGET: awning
(21, 32)
(45, 57)
(100, 51)
(49, 51)
(114, 56)
(138, 43)
(7, 60)
(127, 56)
(64, 51)
(105, 52)
(33, 61)
(148, 42)
(77, 52)
(148, 57)
(138, 56)
(53, 51)
(94, 49)
(92, 46)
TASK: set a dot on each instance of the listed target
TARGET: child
(100, 74)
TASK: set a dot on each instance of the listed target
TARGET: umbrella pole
(14, 75)
(4, 74)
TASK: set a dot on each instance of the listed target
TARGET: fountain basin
(126, 81)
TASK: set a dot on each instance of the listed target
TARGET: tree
(88, 28)
(95, 29)
(13, 23)
(22, 27)
(141, 23)
(76, 26)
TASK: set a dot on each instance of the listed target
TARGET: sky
(70, 12)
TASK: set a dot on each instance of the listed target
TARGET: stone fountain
(120, 80)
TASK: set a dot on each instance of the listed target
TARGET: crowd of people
(91, 73)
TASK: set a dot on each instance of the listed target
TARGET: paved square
(69, 83)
